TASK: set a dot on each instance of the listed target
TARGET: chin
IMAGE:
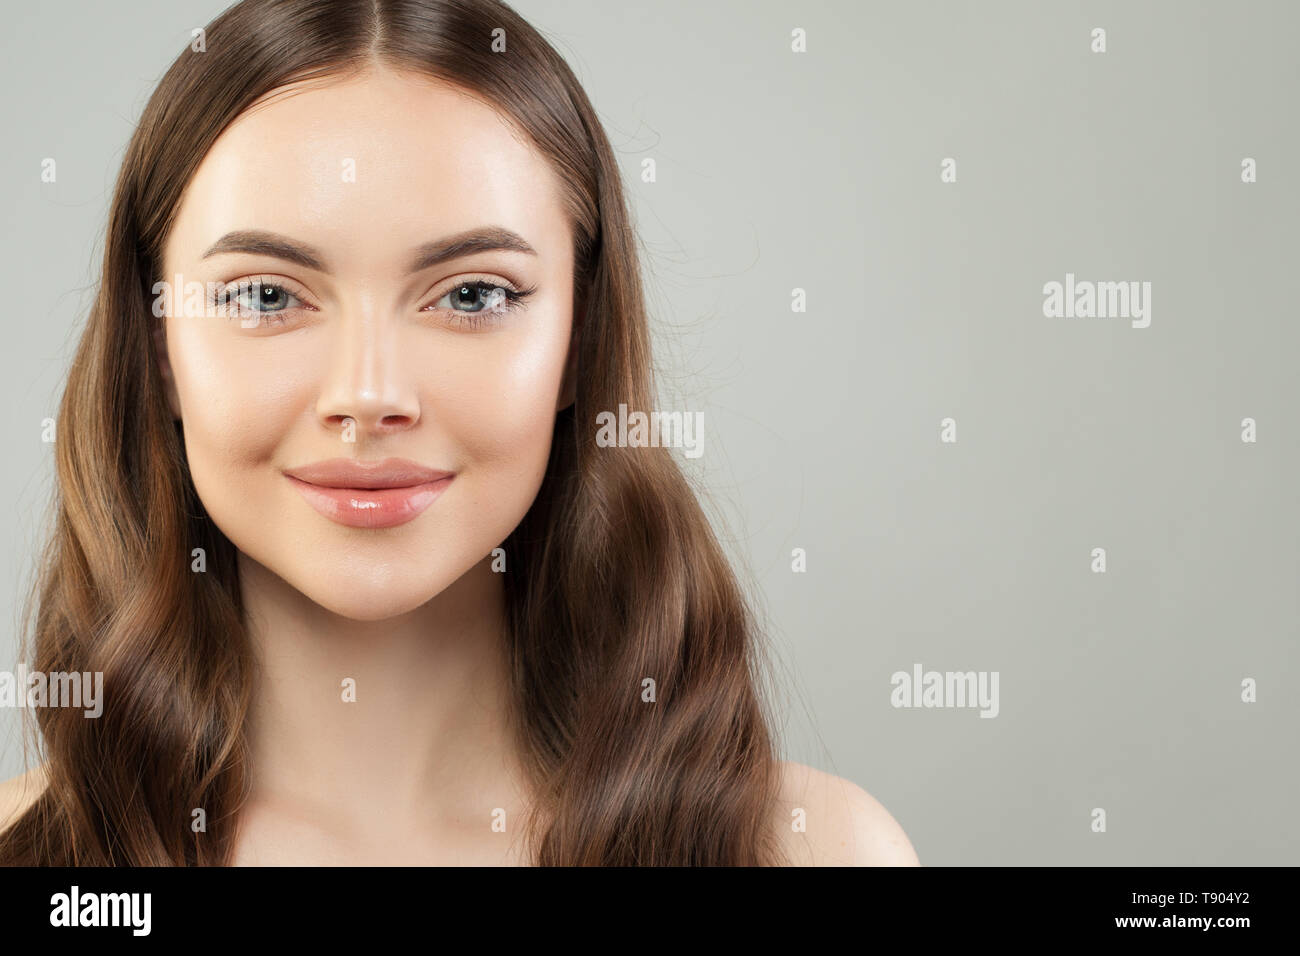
(359, 603)
(366, 591)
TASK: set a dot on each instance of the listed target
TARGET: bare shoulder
(824, 820)
(19, 793)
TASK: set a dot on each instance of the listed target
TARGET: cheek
(494, 406)
(235, 413)
(498, 403)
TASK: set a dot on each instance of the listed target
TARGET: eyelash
(513, 299)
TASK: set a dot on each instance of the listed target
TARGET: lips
(369, 494)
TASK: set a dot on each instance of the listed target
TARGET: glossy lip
(369, 494)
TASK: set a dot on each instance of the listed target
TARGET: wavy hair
(616, 574)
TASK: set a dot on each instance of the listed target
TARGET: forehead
(370, 166)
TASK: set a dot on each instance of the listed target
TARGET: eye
(256, 301)
(479, 302)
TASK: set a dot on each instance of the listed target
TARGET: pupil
(467, 293)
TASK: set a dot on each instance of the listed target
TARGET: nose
(367, 381)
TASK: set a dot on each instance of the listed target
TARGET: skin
(410, 772)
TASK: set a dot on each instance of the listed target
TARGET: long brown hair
(615, 573)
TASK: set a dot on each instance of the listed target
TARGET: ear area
(569, 384)
(165, 367)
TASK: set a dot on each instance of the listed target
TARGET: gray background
(820, 171)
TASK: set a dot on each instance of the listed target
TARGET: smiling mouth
(369, 494)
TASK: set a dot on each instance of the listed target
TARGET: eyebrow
(259, 242)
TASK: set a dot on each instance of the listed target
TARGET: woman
(333, 520)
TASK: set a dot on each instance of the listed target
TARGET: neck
(427, 737)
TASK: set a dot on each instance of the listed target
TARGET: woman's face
(353, 329)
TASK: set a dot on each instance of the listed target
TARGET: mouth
(361, 494)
